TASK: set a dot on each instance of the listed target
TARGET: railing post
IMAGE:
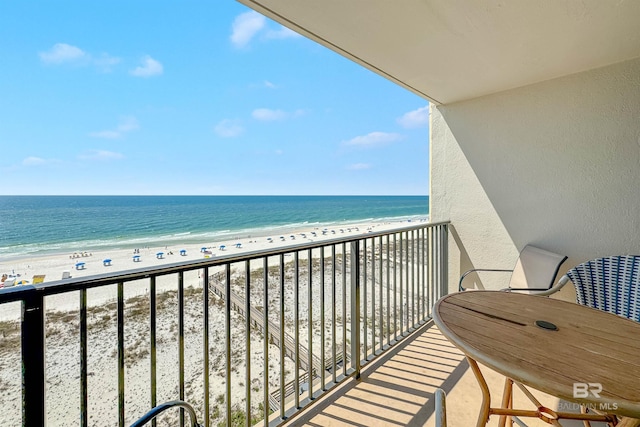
(33, 362)
(445, 259)
(355, 306)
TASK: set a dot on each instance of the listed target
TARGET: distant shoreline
(54, 265)
(35, 226)
(179, 239)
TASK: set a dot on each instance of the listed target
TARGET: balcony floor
(397, 389)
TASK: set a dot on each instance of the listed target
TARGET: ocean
(41, 225)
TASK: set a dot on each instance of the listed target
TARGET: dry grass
(9, 336)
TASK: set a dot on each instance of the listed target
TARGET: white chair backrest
(535, 268)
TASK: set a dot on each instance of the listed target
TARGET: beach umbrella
(222, 247)
(269, 239)
(159, 255)
(203, 249)
(79, 265)
(238, 245)
(136, 258)
(22, 282)
(183, 252)
(106, 262)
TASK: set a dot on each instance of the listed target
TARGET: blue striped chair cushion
(610, 284)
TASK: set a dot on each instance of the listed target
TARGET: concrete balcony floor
(397, 390)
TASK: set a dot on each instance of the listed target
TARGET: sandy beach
(63, 394)
(53, 266)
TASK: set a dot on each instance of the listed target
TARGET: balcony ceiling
(453, 50)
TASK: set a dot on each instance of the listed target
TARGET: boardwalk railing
(241, 337)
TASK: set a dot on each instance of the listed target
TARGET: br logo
(582, 390)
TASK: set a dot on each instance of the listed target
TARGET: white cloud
(33, 161)
(245, 27)
(415, 119)
(268, 115)
(126, 124)
(374, 139)
(150, 67)
(270, 85)
(359, 166)
(229, 128)
(100, 155)
(282, 33)
(62, 52)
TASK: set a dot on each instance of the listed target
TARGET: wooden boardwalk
(217, 287)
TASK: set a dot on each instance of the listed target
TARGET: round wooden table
(573, 352)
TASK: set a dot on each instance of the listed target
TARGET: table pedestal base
(545, 414)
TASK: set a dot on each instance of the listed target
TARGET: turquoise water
(39, 225)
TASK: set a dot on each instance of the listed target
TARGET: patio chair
(535, 271)
(153, 413)
(610, 284)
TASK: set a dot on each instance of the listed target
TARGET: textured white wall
(555, 164)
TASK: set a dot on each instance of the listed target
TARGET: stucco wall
(555, 164)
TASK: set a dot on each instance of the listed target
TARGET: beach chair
(535, 271)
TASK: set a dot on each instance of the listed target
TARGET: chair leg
(507, 400)
(483, 417)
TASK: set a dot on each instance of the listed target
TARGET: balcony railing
(244, 337)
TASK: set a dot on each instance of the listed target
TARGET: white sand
(62, 342)
(53, 266)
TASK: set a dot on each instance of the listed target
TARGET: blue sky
(194, 97)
